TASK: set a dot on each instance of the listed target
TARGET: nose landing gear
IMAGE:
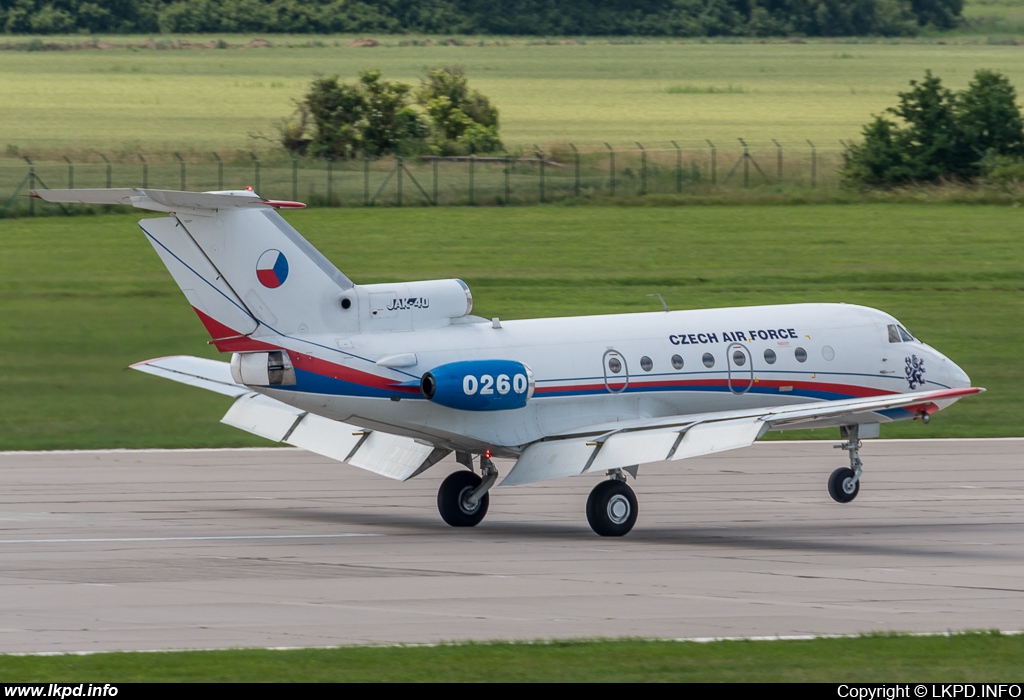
(844, 483)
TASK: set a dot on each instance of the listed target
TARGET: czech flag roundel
(272, 269)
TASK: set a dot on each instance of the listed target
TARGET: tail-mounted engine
(272, 368)
(479, 385)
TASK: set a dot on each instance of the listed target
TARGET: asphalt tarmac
(281, 548)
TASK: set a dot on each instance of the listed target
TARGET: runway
(278, 547)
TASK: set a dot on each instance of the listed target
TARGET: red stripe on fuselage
(852, 390)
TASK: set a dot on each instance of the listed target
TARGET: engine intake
(479, 385)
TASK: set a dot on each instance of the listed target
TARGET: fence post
(71, 173)
(31, 184)
(399, 167)
(295, 177)
(108, 169)
(540, 156)
(814, 164)
(714, 163)
(643, 168)
(220, 170)
(181, 164)
(679, 168)
(746, 163)
(330, 180)
(778, 158)
(435, 182)
(472, 162)
(611, 166)
(366, 179)
(576, 154)
(256, 167)
(508, 187)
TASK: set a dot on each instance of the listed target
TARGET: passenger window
(769, 356)
(614, 365)
(739, 359)
(677, 361)
(709, 360)
(894, 334)
(646, 364)
(801, 355)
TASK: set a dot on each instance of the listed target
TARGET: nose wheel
(612, 508)
(844, 483)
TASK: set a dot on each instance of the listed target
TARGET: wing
(394, 456)
(621, 445)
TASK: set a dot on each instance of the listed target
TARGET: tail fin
(245, 270)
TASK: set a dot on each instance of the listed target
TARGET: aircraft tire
(612, 509)
(841, 486)
(451, 503)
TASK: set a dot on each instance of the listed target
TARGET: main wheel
(612, 509)
(843, 486)
(451, 500)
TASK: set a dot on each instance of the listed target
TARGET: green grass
(979, 657)
(83, 297)
(122, 101)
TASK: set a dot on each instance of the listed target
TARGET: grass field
(123, 101)
(960, 658)
(83, 297)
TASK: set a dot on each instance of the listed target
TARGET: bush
(943, 136)
(375, 116)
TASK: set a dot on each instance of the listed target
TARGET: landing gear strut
(462, 499)
(612, 506)
(844, 483)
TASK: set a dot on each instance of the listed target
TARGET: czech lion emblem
(915, 372)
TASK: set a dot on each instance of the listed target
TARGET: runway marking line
(195, 538)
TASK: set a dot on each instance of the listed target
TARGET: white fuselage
(668, 363)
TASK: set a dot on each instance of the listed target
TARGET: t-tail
(252, 278)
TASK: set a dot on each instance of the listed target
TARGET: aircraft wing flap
(550, 460)
(263, 416)
(719, 436)
(639, 447)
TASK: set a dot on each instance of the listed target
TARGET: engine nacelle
(479, 385)
(263, 368)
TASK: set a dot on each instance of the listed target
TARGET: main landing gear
(462, 499)
(844, 483)
(612, 507)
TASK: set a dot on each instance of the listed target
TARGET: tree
(373, 116)
(944, 135)
(461, 119)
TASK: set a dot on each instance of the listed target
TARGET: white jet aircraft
(391, 378)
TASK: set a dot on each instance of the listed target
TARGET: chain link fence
(548, 174)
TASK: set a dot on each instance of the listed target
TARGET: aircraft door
(741, 368)
(616, 372)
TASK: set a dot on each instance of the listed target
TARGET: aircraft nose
(957, 377)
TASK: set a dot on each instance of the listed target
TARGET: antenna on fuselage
(661, 299)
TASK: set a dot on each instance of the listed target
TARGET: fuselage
(592, 370)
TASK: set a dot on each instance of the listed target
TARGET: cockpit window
(894, 334)
(904, 334)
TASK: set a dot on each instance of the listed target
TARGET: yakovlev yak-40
(392, 378)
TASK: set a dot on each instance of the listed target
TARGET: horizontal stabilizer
(194, 371)
(171, 201)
